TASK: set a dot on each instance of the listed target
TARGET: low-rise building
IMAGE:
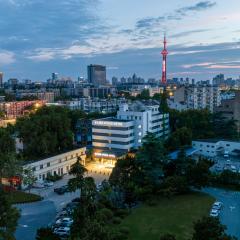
(59, 164)
(215, 147)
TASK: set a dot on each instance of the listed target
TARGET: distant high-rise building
(54, 76)
(114, 81)
(13, 81)
(97, 75)
(1, 79)
(219, 79)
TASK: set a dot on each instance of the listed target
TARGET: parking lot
(226, 163)
(230, 212)
(41, 214)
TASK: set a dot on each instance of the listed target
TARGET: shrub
(104, 215)
(117, 220)
(121, 213)
(152, 202)
(54, 178)
(124, 230)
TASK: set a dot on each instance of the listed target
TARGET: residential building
(215, 147)
(176, 105)
(17, 109)
(230, 109)
(59, 164)
(41, 95)
(97, 75)
(198, 96)
(90, 105)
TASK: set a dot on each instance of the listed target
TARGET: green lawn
(23, 197)
(175, 215)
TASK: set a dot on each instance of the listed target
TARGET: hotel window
(34, 169)
(48, 164)
(41, 166)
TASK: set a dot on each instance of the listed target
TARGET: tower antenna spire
(164, 63)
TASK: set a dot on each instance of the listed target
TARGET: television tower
(164, 64)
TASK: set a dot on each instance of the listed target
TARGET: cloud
(200, 6)
(187, 33)
(6, 57)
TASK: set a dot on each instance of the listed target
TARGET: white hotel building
(113, 137)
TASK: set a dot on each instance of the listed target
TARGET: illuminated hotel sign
(105, 155)
(106, 123)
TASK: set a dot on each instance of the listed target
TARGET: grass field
(175, 215)
(23, 197)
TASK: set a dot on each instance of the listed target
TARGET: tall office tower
(1, 79)
(164, 64)
(97, 75)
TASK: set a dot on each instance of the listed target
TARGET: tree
(28, 178)
(224, 128)
(144, 95)
(210, 228)
(46, 132)
(163, 103)
(174, 185)
(78, 171)
(168, 237)
(150, 160)
(46, 234)
(180, 138)
(8, 217)
(199, 175)
(9, 165)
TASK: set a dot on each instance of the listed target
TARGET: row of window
(113, 135)
(113, 128)
(112, 142)
(41, 166)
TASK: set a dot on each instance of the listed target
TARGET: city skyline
(40, 37)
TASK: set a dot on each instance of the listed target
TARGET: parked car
(38, 185)
(226, 154)
(64, 220)
(218, 168)
(233, 168)
(48, 184)
(77, 200)
(217, 206)
(61, 190)
(214, 213)
(62, 231)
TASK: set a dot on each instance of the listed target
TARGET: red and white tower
(164, 64)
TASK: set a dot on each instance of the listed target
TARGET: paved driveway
(40, 214)
(230, 215)
(34, 216)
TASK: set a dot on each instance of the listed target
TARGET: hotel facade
(114, 137)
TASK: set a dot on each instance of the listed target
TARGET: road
(230, 214)
(40, 214)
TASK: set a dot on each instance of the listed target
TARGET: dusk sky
(43, 36)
